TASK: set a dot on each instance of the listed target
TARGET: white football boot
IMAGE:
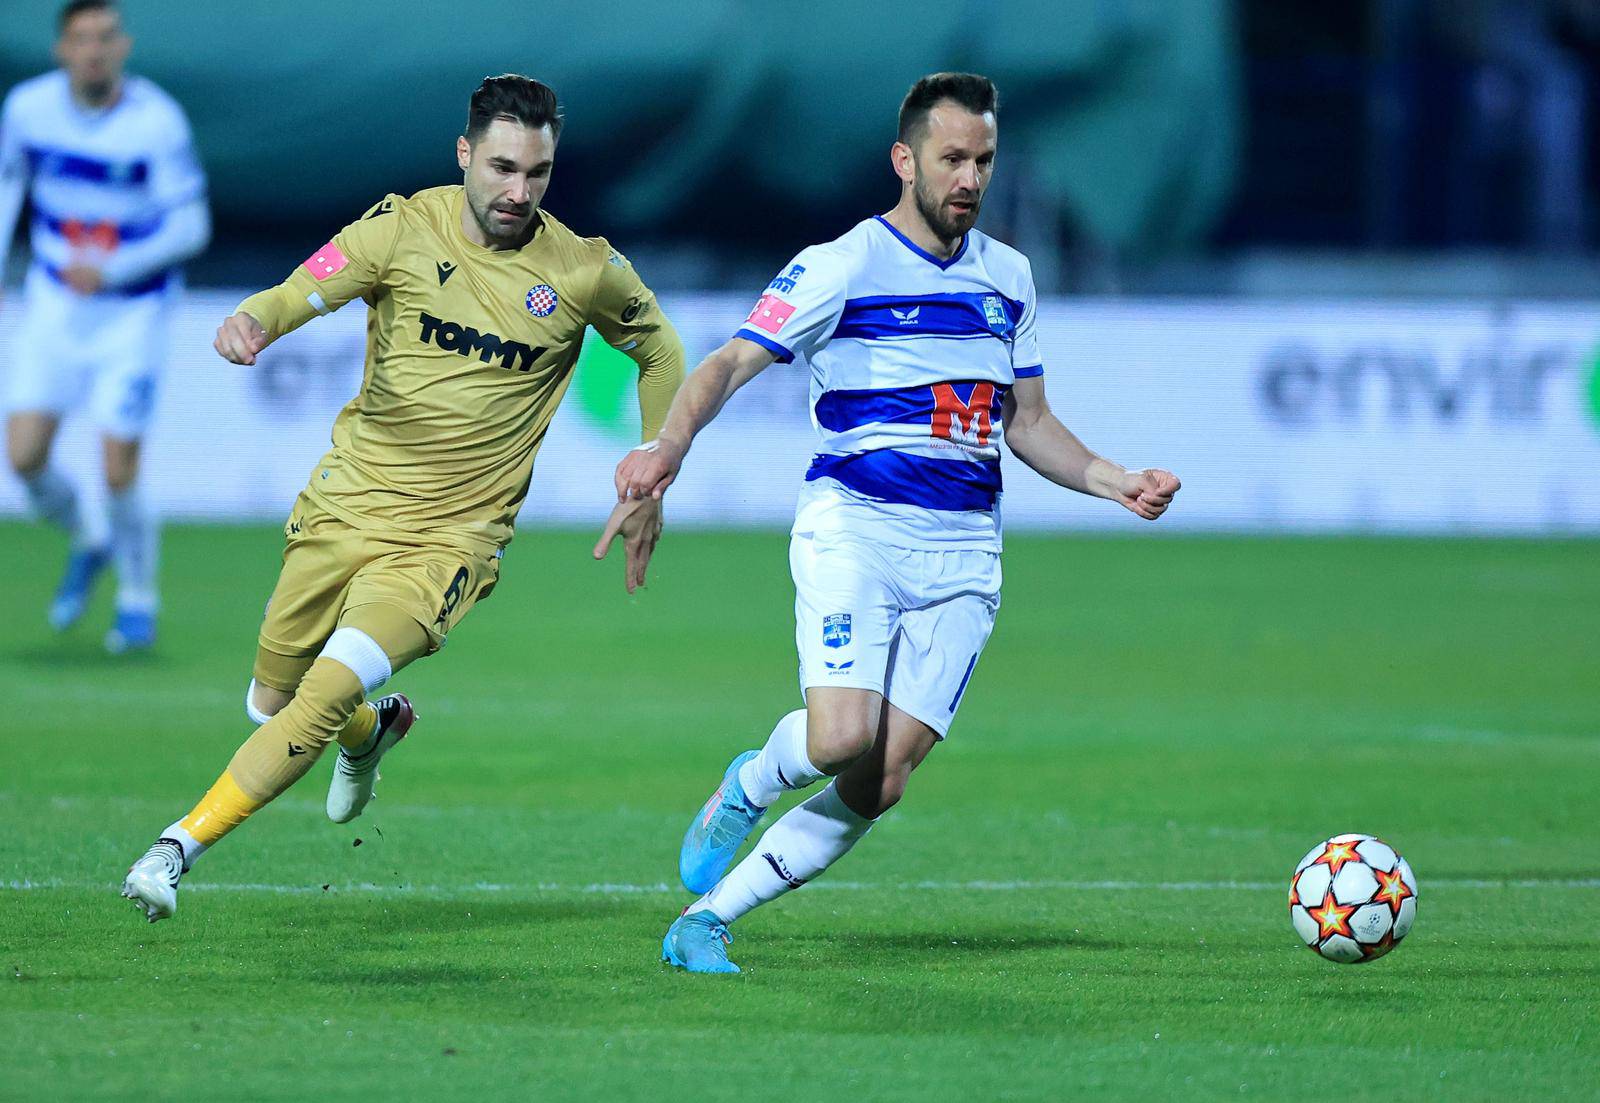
(152, 881)
(355, 776)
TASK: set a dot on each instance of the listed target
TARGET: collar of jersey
(461, 235)
(923, 253)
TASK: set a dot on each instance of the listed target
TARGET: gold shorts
(331, 567)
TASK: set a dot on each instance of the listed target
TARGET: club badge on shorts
(541, 301)
(836, 630)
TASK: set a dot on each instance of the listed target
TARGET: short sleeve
(1025, 361)
(800, 308)
(176, 177)
(357, 259)
(624, 310)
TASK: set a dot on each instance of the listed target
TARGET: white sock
(192, 847)
(808, 839)
(54, 498)
(782, 765)
(134, 533)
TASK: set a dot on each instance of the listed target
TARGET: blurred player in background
(119, 201)
(920, 333)
(479, 301)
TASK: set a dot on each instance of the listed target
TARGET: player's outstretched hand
(648, 470)
(638, 522)
(239, 338)
(1149, 492)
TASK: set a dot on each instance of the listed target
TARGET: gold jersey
(469, 352)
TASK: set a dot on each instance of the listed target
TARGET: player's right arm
(795, 316)
(354, 263)
(649, 469)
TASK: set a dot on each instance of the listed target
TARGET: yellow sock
(224, 807)
(359, 728)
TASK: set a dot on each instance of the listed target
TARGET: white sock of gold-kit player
(806, 840)
(782, 766)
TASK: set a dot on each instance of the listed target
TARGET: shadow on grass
(74, 654)
(851, 944)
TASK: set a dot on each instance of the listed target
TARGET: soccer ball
(1353, 898)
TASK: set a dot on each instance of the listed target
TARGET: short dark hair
(74, 8)
(518, 98)
(969, 90)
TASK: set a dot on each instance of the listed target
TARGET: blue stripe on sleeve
(899, 477)
(784, 355)
(1029, 373)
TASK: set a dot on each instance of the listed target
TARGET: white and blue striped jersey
(99, 181)
(911, 358)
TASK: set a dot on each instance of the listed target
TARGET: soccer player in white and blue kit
(920, 335)
(119, 201)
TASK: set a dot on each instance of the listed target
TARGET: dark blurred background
(1148, 146)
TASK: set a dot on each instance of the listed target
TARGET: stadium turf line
(1152, 712)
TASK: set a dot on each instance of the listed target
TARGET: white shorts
(907, 624)
(100, 352)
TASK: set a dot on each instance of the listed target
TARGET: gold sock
(224, 807)
(360, 726)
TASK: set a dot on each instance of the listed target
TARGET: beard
(493, 228)
(944, 222)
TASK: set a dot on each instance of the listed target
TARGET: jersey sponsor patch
(770, 313)
(326, 261)
(965, 422)
(541, 300)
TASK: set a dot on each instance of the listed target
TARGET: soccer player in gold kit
(478, 303)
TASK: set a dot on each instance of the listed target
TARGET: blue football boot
(77, 586)
(717, 832)
(133, 630)
(698, 941)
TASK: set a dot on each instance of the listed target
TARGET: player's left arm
(13, 174)
(178, 185)
(1036, 437)
(626, 315)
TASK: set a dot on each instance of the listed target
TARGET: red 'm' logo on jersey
(90, 235)
(770, 313)
(973, 416)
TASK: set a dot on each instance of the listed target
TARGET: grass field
(1084, 892)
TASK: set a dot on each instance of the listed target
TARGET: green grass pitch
(1083, 893)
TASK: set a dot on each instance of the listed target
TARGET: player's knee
(120, 475)
(892, 789)
(26, 455)
(359, 654)
(832, 743)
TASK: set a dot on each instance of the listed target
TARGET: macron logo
(906, 317)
